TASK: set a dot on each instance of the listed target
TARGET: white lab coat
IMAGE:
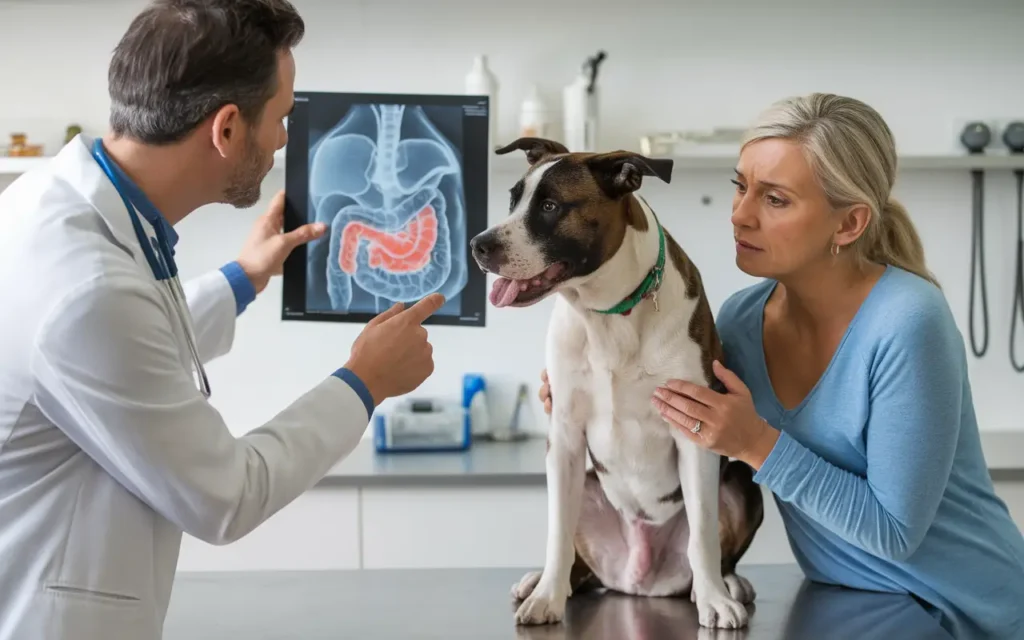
(108, 451)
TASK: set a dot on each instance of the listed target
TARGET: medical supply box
(423, 425)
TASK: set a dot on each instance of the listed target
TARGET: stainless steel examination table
(456, 604)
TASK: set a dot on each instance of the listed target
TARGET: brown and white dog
(655, 515)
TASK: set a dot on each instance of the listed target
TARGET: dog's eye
(548, 206)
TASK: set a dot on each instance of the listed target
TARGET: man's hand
(267, 247)
(392, 355)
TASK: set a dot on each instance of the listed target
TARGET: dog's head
(567, 216)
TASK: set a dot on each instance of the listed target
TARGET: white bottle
(580, 115)
(479, 415)
(533, 116)
(480, 81)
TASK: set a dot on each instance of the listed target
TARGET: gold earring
(835, 249)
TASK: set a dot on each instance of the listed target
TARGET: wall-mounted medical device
(1013, 138)
(976, 137)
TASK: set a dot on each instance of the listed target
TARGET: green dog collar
(648, 288)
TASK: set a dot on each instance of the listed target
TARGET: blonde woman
(846, 377)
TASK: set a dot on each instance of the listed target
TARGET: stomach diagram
(388, 184)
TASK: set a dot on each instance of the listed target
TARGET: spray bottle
(579, 102)
(481, 81)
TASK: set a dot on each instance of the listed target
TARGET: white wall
(927, 65)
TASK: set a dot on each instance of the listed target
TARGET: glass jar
(17, 147)
(20, 147)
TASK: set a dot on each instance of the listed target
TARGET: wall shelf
(12, 167)
(516, 163)
(17, 166)
(955, 161)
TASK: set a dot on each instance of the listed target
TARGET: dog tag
(657, 285)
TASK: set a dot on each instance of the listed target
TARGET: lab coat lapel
(76, 166)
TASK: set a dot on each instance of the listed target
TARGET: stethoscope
(978, 259)
(161, 260)
(1018, 285)
(975, 137)
(1013, 138)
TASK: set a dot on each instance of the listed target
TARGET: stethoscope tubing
(978, 266)
(978, 261)
(1018, 286)
(158, 255)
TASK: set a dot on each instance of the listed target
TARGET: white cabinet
(770, 545)
(415, 527)
(1012, 493)
(438, 527)
(425, 525)
(319, 530)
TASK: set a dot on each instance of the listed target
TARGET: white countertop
(522, 463)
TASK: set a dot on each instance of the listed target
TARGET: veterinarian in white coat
(109, 446)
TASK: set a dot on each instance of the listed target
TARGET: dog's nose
(486, 248)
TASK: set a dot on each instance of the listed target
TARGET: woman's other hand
(729, 423)
(545, 391)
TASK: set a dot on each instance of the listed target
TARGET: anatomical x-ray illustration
(389, 186)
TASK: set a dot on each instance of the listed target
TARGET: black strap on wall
(1018, 286)
(978, 260)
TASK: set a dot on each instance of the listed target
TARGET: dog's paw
(740, 588)
(522, 589)
(541, 607)
(717, 609)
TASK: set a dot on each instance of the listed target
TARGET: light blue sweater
(878, 473)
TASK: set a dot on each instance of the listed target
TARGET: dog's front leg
(699, 477)
(565, 464)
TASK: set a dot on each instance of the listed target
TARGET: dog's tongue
(504, 292)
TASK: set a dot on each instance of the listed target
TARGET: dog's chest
(617, 366)
(629, 442)
(626, 366)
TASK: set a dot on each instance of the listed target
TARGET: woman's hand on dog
(729, 423)
(545, 391)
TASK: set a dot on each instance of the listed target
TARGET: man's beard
(243, 190)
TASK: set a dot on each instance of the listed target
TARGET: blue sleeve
(724, 321)
(917, 388)
(241, 286)
(732, 322)
(346, 375)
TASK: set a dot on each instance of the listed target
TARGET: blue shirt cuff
(346, 375)
(241, 286)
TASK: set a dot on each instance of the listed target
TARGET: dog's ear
(621, 172)
(536, 148)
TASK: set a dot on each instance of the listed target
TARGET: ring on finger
(696, 427)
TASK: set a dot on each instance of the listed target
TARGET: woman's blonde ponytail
(896, 242)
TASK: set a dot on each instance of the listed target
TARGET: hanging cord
(1018, 287)
(978, 261)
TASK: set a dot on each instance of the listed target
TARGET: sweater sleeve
(917, 389)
